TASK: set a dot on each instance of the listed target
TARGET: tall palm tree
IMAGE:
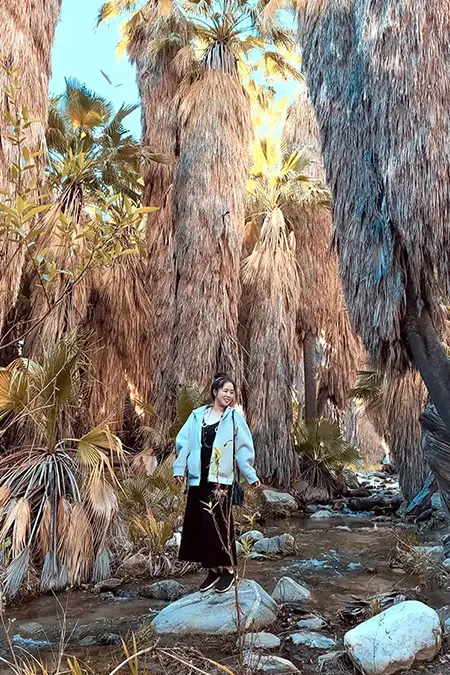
(321, 309)
(200, 45)
(373, 110)
(28, 30)
(271, 282)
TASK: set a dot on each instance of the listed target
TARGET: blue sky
(82, 51)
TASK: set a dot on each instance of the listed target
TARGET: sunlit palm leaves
(57, 493)
(90, 150)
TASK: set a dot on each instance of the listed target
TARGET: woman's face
(225, 395)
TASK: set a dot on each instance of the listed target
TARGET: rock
(311, 623)
(446, 563)
(251, 537)
(175, 541)
(32, 629)
(423, 499)
(447, 627)
(134, 566)
(164, 590)
(444, 613)
(88, 641)
(323, 513)
(312, 640)
(340, 505)
(240, 549)
(281, 544)
(344, 528)
(311, 508)
(107, 585)
(435, 553)
(280, 502)
(274, 665)
(215, 614)
(395, 639)
(109, 639)
(436, 501)
(446, 545)
(331, 659)
(288, 590)
(261, 641)
(359, 492)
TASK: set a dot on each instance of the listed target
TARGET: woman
(213, 445)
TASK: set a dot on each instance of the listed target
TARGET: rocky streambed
(298, 602)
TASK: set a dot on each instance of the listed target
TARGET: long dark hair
(220, 379)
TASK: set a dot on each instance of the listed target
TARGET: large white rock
(274, 665)
(395, 639)
(288, 590)
(212, 613)
(280, 501)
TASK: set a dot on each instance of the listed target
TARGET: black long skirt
(208, 529)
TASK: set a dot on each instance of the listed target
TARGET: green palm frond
(324, 453)
(368, 390)
(189, 399)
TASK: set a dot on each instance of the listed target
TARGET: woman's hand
(178, 480)
(256, 484)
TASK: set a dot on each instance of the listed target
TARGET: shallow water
(334, 563)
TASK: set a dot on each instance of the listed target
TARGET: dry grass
(386, 159)
(27, 36)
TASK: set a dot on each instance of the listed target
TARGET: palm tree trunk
(209, 198)
(28, 29)
(309, 365)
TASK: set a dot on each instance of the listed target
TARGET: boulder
(435, 553)
(311, 623)
(261, 641)
(323, 513)
(273, 665)
(214, 614)
(251, 537)
(134, 566)
(107, 585)
(109, 639)
(174, 541)
(169, 590)
(288, 590)
(395, 639)
(278, 545)
(280, 502)
(312, 640)
(240, 549)
(446, 563)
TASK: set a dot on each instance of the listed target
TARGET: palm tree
(202, 46)
(271, 282)
(94, 168)
(321, 309)
(394, 406)
(392, 239)
(91, 158)
(57, 492)
(27, 37)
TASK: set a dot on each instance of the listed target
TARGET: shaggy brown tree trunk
(28, 29)
(309, 366)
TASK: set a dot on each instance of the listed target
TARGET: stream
(336, 558)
